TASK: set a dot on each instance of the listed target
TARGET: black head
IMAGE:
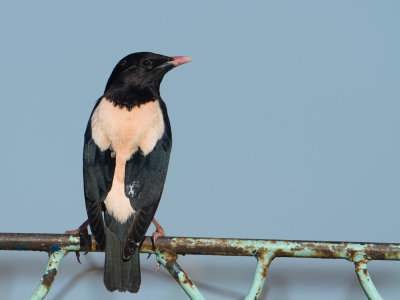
(137, 77)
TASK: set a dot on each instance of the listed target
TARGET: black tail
(119, 274)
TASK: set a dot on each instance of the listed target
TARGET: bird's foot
(83, 233)
(158, 233)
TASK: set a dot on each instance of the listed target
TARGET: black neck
(131, 97)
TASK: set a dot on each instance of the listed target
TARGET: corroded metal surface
(49, 275)
(242, 247)
(212, 246)
(167, 250)
(168, 260)
(366, 281)
(264, 259)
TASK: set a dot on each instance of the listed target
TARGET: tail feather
(119, 274)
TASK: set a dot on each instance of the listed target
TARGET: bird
(126, 153)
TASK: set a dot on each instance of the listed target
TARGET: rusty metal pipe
(264, 250)
(211, 246)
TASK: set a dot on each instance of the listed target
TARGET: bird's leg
(159, 231)
(83, 233)
(81, 229)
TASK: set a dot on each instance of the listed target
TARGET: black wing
(144, 184)
(98, 173)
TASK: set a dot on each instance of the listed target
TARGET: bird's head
(137, 77)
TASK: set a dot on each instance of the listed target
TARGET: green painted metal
(49, 275)
(263, 262)
(366, 281)
(167, 250)
(168, 260)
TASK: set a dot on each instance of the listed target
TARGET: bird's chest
(125, 131)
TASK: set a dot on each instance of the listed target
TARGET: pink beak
(180, 60)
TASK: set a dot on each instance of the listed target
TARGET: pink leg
(159, 231)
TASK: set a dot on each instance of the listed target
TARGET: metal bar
(212, 246)
(264, 250)
(168, 260)
(366, 281)
(49, 275)
(263, 262)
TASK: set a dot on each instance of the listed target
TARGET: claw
(78, 256)
(158, 233)
(83, 233)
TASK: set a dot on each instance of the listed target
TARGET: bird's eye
(146, 63)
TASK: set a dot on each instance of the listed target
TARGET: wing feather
(98, 171)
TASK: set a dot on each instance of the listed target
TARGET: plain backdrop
(286, 126)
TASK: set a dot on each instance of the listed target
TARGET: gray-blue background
(285, 127)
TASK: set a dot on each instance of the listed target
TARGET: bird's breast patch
(125, 131)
